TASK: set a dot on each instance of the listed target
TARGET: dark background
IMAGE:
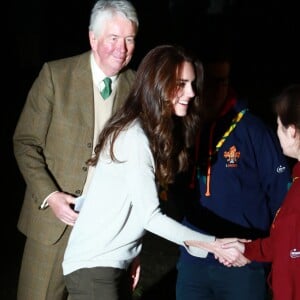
(261, 36)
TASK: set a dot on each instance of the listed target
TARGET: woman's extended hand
(229, 251)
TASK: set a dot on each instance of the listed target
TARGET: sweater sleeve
(259, 250)
(141, 181)
(284, 236)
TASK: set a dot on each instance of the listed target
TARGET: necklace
(232, 126)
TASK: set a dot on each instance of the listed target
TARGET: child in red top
(282, 247)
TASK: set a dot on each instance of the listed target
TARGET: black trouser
(103, 283)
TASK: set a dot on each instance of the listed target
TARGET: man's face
(113, 48)
(216, 81)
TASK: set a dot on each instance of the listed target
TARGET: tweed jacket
(54, 138)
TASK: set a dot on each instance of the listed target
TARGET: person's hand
(61, 205)
(229, 251)
(135, 271)
(229, 257)
(239, 244)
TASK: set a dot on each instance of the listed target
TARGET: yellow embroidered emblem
(232, 156)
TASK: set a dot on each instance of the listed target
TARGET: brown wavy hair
(287, 106)
(150, 101)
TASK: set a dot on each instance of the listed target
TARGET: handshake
(228, 251)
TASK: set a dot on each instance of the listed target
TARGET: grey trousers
(100, 283)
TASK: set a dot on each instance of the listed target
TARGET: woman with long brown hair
(144, 145)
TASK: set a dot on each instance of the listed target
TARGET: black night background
(261, 36)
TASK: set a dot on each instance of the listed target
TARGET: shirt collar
(97, 74)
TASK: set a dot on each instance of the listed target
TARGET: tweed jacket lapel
(82, 90)
(126, 78)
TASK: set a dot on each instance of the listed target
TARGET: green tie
(105, 93)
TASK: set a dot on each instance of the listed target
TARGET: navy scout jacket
(241, 178)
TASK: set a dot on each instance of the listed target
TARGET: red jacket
(282, 247)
